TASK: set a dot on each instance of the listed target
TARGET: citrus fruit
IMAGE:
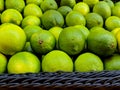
(75, 18)
(64, 10)
(32, 9)
(101, 42)
(30, 20)
(30, 29)
(118, 40)
(103, 9)
(12, 39)
(112, 22)
(11, 16)
(1, 5)
(27, 47)
(15, 4)
(117, 3)
(37, 2)
(83, 29)
(110, 3)
(82, 7)
(88, 62)
(115, 31)
(42, 42)
(112, 62)
(3, 63)
(23, 62)
(56, 32)
(69, 3)
(50, 19)
(71, 40)
(48, 5)
(94, 19)
(57, 60)
(116, 11)
(91, 3)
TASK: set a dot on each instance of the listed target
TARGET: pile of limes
(50, 36)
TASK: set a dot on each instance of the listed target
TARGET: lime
(37, 2)
(3, 63)
(1, 5)
(94, 19)
(12, 40)
(30, 29)
(88, 62)
(11, 16)
(75, 18)
(71, 40)
(82, 7)
(32, 9)
(23, 62)
(110, 3)
(30, 20)
(57, 60)
(112, 62)
(112, 22)
(116, 11)
(27, 47)
(48, 5)
(83, 29)
(91, 3)
(42, 42)
(103, 9)
(56, 32)
(64, 10)
(101, 42)
(69, 3)
(15, 4)
(50, 19)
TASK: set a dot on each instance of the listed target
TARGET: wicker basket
(109, 80)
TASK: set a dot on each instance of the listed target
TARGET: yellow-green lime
(42, 42)
(117, 3)
(3, 63)
(83, 29)
(110, 3)
(48, 5)
(112, 22)
(101, 42)
(75, 18)
(118, 40)
(56, 32)
(71, 40)
(94, 19)
(88, 62)
(91, 3)
(64, 10)
(69, 3)
(23, 62)
(82, 7)
(15, 4)
(50, 19)
(32, 9)
(12, 40)
(1, 5)
(30, 29)
(57, 60)
(112, 62)
(30, 20)
(37, 2)
(115, 31)
(116, 11)
(11, 16)
(27, 47)
(103, 9)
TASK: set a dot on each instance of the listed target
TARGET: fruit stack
(59, 35)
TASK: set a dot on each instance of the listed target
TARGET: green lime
(88, 62)
(57, 60)
(23, 62)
